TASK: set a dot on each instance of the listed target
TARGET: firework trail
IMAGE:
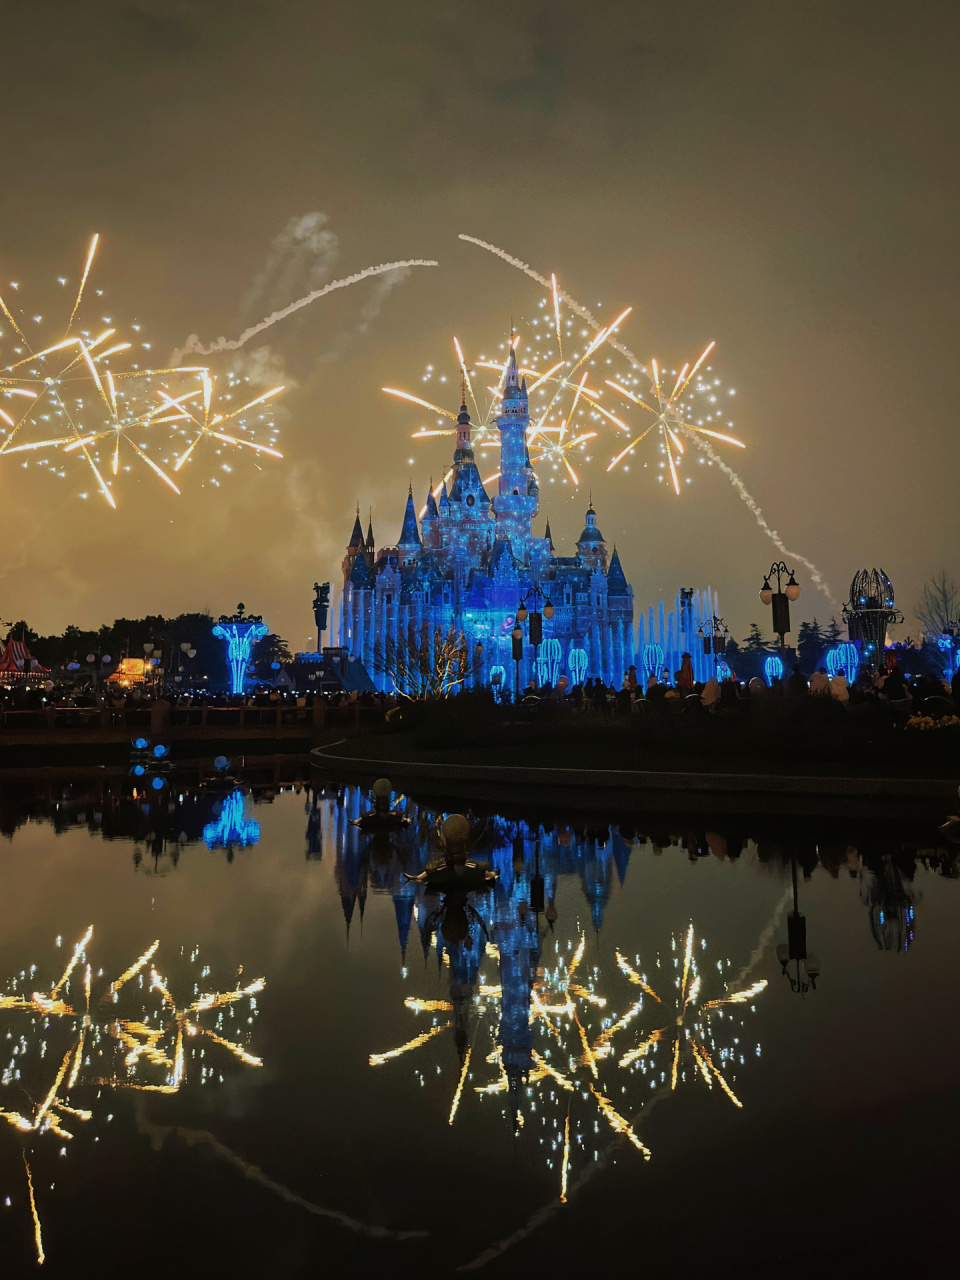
(745, 496)
(816, 577)
(193, 343)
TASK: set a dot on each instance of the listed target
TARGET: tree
(754, 643)
(832, 633)
(810, 645)
(940, 605)
(272, 648)
(424, 666)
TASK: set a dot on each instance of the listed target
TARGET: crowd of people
(890, 686)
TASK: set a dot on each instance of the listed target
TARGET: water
(791, 1128)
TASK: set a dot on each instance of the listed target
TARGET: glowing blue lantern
(577, 662)
(653, 661)
(773, 668)
(231, 827)
(241, 632)
(845, 658)
(498, 680)
(548, 661)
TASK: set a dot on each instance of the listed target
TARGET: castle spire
(410, 533)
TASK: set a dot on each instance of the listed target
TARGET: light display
(653, 659)
(569, 412)
(474, 557)
(724, 671)
(773, 668)
(240, 632)
(548, 661)
(84, 1038)
(85, 393)
(577, 662)
(845, 658)
(231, 827)
(670, 419)
(563, 1043)
(869, 611)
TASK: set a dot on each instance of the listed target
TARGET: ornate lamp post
(714, 638)
(321, 604)
(870, 611)
(794, 951)
(780, 599)
(536, 594)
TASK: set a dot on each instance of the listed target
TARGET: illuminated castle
(471, 560)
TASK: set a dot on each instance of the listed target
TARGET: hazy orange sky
(781, 179)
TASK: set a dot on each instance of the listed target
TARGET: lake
(235, 1038)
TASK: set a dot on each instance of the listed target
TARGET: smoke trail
(193, 343)
(368, 313)
(193, 1137)
(815, 575)
(301, 258)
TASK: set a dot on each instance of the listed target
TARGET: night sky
(783, 179)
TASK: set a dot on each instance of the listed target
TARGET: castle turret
(518, 499)
(408, 544)
(430, 522)
(356, 545)
(590, 544)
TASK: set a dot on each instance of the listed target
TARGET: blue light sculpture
(231, 827)
(548, 661)
(498, 680)
(241, 632)
(653, 660)
(845, 658)
(577, 662)
(724, 670)
(773, 668)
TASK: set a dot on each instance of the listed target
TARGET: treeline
(126, 638)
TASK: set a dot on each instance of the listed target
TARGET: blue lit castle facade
(471, 559)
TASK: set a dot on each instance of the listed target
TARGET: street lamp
(536, 594)
(780, 599)
(714, 638)
(794, 950)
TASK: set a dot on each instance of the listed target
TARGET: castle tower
(590, 544)
(354, 549)
(517, 501)
(408, 544)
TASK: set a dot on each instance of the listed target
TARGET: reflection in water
(548, 1025)
(890, 904)
(124, 1034)
(231, 827)
(558, 1019)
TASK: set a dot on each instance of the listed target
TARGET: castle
(473, 558)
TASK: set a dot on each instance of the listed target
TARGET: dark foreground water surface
(273, 1056)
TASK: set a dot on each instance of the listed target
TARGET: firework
(700, 441)
(565, 410)
(84, 397)
(581, 1054)
(141, 1044)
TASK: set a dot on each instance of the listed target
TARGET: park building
(471, 559)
